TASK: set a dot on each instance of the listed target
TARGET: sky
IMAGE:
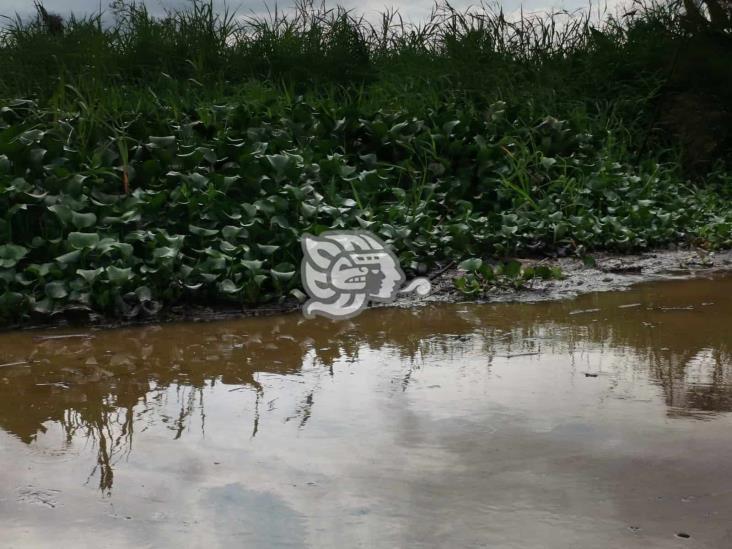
(413, 10)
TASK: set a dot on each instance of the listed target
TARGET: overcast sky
(410, 9)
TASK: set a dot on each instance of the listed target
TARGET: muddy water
(599, 422)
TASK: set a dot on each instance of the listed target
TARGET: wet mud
(601, 272)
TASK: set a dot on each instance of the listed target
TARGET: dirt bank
(605, 272)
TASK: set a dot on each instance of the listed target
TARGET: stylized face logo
(343, 270)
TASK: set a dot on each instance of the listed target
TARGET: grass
(130, 182)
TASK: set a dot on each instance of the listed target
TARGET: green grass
(131, 182)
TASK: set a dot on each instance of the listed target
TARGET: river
(602, 421)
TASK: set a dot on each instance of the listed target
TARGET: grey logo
(342, 271)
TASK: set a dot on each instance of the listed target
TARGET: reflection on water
(130, 395)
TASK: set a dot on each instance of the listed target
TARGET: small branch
(10, 364)
(442, 271)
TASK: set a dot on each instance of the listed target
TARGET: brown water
(598, 422)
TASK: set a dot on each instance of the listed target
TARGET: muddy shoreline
(607, 272)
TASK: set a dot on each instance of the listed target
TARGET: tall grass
(315, 43)
(572, 64)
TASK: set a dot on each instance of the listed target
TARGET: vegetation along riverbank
(160, 162)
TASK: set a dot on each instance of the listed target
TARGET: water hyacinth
(143, 187)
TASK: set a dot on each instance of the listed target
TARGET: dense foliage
(189, 176)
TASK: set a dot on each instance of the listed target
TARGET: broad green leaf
(125, 249)
(252, 264)
(227, 247)
(396, 128)
(279, 162)
(308, 210)
(267, 250)
(486, 271)
(118, 276)
(365, 224)
(43, 306)
(512, 269)
(83, 220)
(71, 257)
(90, 275)
(79, 241)
(250, 209)
(10, 254)
(36, 156)
(471, 265)
(144, 294)
(280, 221)
(10, 302)
(39, 271)
(228, 287)
(175, 241)
(165, 252)
(200, 231)
(56, 290)
(229, 232)
(283, 272)
(62, 211)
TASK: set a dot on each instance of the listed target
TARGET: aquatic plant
(127, 185)
(481, 277)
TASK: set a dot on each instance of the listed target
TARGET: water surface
(598, 422)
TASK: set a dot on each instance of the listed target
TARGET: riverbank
(605, 273)
(132, 190)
